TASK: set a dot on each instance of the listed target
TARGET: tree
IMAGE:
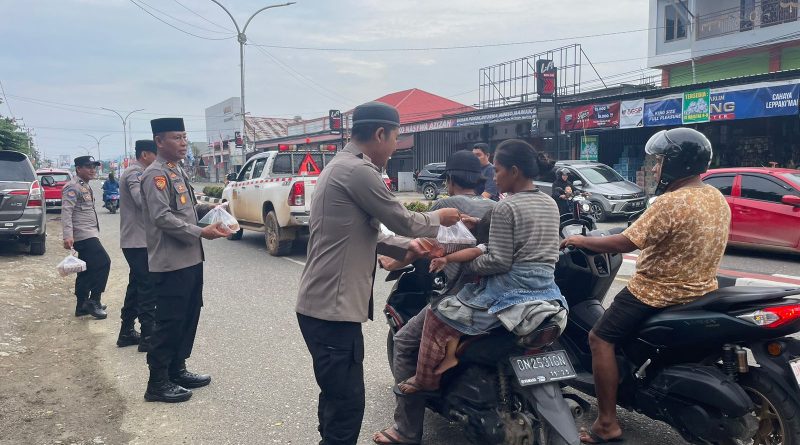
(12, 137)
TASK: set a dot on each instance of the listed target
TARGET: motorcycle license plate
(547, 367)
(795, 365)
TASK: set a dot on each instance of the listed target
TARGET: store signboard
(521, 114)
(631, 114)
(765, 101)
(586, 117)
(427, 126)
(589, 147)
(697, 106)
(663, 111)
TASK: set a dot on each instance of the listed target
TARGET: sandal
(597, 439)
(394, 440)
(418, 393)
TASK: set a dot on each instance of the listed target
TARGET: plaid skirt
(432, 350)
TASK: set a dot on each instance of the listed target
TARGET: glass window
(259, 168)
(793, 177)
(13, 170)
(282, 165)
(669, 23)
(244, 175)
(763, 189)
(291, 163)
(599, 174)
(58, 177)
(722, 183)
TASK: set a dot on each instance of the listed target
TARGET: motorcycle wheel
(778, 415)
(390, 351)
(112, 209)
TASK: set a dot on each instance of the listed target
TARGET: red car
(765, 205)
(52, 195)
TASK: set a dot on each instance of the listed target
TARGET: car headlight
(613, 197)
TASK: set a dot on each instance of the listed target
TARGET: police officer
(175, 259)
(139, 298)
(335, 294)
(81, 231)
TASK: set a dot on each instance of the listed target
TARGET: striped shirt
(524, 229)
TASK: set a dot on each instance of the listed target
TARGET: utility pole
(242, 38)
(124, 125)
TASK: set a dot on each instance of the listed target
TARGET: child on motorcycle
(517, 266)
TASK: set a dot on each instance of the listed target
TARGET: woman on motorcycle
(517, 266)
(110, 187)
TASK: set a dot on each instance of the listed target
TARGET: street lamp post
(124, 125)
(242, 37)
(98, 142)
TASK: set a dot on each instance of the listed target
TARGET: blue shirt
(489, 186)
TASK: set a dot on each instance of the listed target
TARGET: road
(263, 389)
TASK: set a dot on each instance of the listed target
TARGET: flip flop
(394, 440)
(419, 393)
(597, 439)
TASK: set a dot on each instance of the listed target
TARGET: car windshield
(15, 171)
(598, 174)
(58, 177)
(793, 178)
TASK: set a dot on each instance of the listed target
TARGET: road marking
(295, 261)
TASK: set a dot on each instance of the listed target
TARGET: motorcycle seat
(500, 337)
(724, 298)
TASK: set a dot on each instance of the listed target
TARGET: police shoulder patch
(71, 193)
(161, 182)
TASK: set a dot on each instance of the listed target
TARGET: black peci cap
(146, 145)
(167, 124)
(376, 113)
(465, 165)
(86, 161)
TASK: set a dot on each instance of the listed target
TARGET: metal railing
(753, 15)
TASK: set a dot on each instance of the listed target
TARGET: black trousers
(179, 297)
(140, 298)
(98, 264)
(337, 349)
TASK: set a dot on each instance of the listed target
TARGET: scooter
(505, 389)
(720, 370)
(111, 202)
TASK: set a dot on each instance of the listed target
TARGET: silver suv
(611, 194)
(22, 207)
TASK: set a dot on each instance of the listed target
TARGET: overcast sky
(61, 60)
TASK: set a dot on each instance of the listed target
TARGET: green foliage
(418, 206)
(13, 138)
(213, 191)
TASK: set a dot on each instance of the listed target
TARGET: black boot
(179, 375)
(127, 335)
(96, 297)
(79, 310)
(146, 338)
(93, 308)
(160, 389)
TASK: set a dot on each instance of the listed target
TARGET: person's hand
(429, 248)
(214, 231)
(470, 221)
(387, 263)
(448, 217)
(574, 241)
(69, 243)
(438, 264)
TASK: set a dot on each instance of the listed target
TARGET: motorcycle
(720, 370)
(505, 389)
(579, 208)
(111, 202)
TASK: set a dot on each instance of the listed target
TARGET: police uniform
(175, 261)
(139, 297)
(80, 224)
(335, 294)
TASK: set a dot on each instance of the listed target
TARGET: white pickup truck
(272, 194)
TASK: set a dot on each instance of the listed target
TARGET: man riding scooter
(682, 238)
(111, 193)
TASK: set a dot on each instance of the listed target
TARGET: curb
(726, 277)
(204, 198)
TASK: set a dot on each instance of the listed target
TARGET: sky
(62, 61)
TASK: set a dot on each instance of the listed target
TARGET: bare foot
(447, 363)
(388, 436)
(590, 436)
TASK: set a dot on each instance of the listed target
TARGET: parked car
(387, 181)
(52, 194)
(22, 209)
(765, 205)
(610, 193)
(430, 180)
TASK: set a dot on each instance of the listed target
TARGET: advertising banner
(589, 147)
(545, 78)
(427, 126)
(697, 106)
(631, 114)
(585, 117)
(522, 114)
(664, 111)
(751, 103)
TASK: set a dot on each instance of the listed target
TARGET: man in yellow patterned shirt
(682, 238)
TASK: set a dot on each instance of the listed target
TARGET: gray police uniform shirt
(168, 202)
(131, 216)
(78, 216)
(348, 205)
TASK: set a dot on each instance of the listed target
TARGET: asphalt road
(263, 389)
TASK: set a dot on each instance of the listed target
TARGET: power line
(181, 20)
(3, 90)
(202, 17)
(175, 27)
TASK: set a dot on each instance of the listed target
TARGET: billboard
(750, 103)
(631, 113)
(590, 145)
(696, 106)
(590, 116)
(663, 111)
(545, 78)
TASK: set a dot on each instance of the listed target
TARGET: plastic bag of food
(456, 237)
(71, 264)
(220, 214)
